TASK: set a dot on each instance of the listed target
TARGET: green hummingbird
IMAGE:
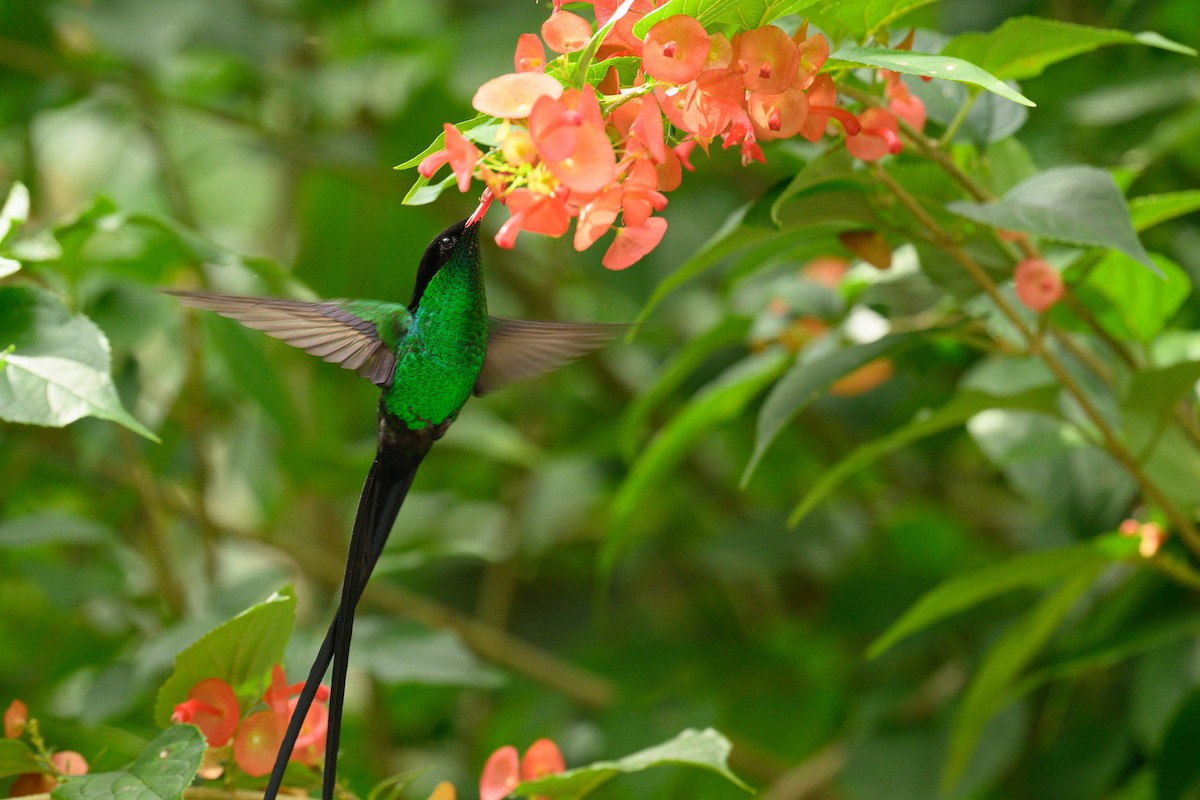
(428, 357)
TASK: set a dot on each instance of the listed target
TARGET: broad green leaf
(16, 758)
(858, 19)
(991, 688)
(719, 401)
(163, 770)
(742, 14)
(1152, 209)
(1178, 768)
(926, 65)
(1077, 205)
(1027, 571)
(240, 651)
(1144, 302)
(957, 411)
(805, 382)
(682, 363)
(706, 749)
(1024, 46)
(55, 366)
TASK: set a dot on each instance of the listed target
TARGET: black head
(457, 238)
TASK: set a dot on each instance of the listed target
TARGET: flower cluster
(55, 765)
(213, 707)
(504, 770)
(608, 151)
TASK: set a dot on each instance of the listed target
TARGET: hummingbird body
(428, 357)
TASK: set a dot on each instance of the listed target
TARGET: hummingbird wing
(355, 334)
(518, 349)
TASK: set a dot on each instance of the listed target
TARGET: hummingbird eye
(446, 244)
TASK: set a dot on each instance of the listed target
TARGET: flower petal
(512, 96)
(633, 243)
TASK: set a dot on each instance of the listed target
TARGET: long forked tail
(387, 484)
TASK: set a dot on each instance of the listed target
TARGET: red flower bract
(676, 49)
(15, 717)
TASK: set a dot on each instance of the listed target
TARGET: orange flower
(458, 152)
(767, 58)
(534, 212)
(530, 56)
(512, 96)
(565, 32)
(213, 708)
(633, 243)
(15, 717)
(879, 135)
(570, 137)
(676, 49)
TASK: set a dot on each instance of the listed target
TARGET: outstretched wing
(519, 349)
(351, 333)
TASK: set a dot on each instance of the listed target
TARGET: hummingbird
(428, 357)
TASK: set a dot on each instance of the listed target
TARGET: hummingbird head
(458, 242)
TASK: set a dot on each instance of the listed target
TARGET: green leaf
(859, 19)
(1151, 209)
(1178, 768)
(240, 651)
(56, 367)
(719, 401)
(957, 411)
(706, 749)
(16, 758)
(991, 689)
(421, 193)
(927, 65)
(1144, 302)
(1077, 205)
(742, 14)
(161, 772)
(1027, 571)
(805, 382)
(1024, 46)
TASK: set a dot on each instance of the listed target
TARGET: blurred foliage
(247, 145)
